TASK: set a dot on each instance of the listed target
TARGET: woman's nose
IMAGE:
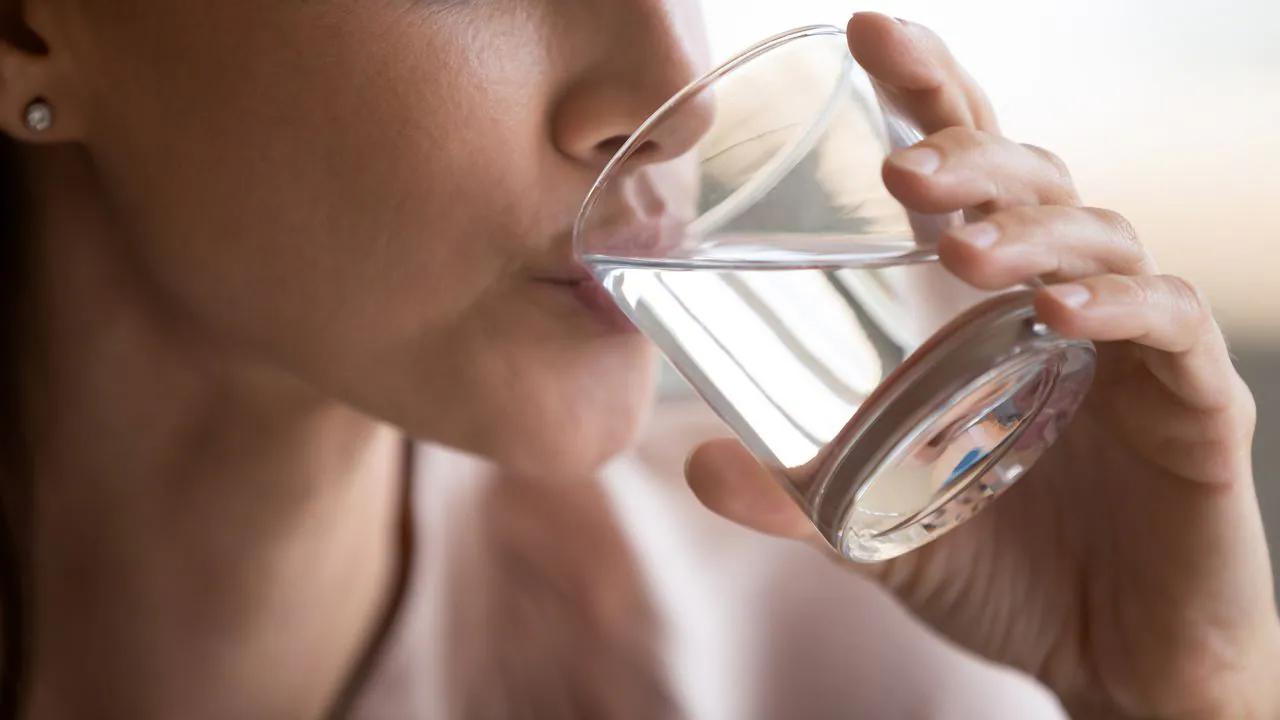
(648, 52)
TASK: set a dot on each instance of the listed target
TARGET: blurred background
(1166, 110)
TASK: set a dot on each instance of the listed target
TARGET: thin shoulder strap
(377, 641)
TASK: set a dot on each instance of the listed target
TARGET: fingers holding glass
(1166, 316)
(1052, 242)
(961, 169)
(731, 483)
(912, 65)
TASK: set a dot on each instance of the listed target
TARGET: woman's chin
(574, 455)
(571, 447)
(556, 414)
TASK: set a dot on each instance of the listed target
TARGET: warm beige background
(1166, 110)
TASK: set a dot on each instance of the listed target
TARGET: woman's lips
(645, 237)
(592, 296)
(651, 237)
(597, 300)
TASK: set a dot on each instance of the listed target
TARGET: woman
(253, 244)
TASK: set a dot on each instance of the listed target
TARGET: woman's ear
(37, 104)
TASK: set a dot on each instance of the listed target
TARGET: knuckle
(1189, 306)
(1248, 408)
(1186, 296)
(1125, 234)
(1057, 166)
(1123, 228)
(1013, 218)
(1057, 163)
(1023, 222)
(1248, 412)
(1132, 291)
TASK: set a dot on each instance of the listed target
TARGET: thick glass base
(957, 424)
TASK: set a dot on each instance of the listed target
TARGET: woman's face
(377, 195)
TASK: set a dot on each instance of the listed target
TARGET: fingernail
(1071, 295)
(919, 160)
(978, 235)
(906, 23)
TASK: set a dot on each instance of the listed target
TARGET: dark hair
(15, 483)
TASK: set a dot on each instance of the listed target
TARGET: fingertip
(885, 48)
(868, 19)
(920, 159)
(911, 188)
(1061, 307)
(1072, 296)
(870, 26)
(727, 480)
(710, 468)
(714, 455)
(971, 263)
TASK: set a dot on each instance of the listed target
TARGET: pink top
(635, 602)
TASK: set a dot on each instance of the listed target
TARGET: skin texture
(397, 253)
(267, 233)
(1128, 569)
(273, 235)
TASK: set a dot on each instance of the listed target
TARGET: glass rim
(645, 129)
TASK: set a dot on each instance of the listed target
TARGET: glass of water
(745, 229)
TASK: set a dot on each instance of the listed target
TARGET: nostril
(609, 148)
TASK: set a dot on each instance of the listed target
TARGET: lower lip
(592, 295)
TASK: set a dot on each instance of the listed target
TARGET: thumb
(728, 480)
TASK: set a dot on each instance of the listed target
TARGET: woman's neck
(202, 520)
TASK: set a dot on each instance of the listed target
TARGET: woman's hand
(1129, 569)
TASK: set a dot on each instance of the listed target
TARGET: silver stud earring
(39, 116)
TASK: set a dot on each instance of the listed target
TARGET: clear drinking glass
(745, 229)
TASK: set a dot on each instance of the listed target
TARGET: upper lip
(634, 221)
(569, 276)
(637, 237)
(634, 237)
(564, 269)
